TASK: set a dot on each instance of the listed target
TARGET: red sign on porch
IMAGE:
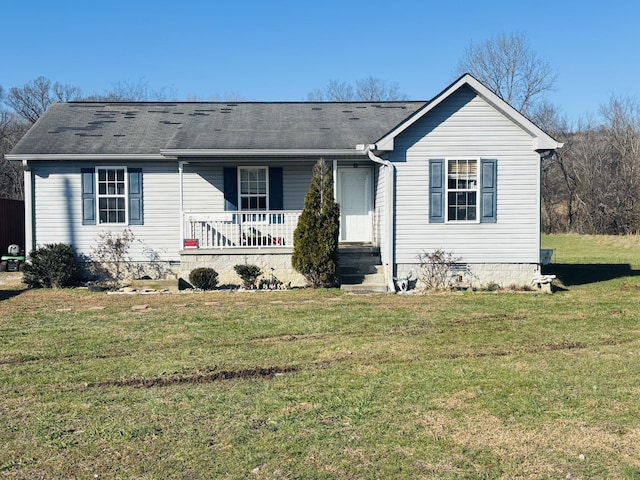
(190, 243)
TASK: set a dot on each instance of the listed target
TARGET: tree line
(590, 186)
(20, 107)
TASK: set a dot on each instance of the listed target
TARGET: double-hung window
(462, 190)
(112, 195)
(253, 188)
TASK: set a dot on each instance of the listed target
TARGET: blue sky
(282, 50)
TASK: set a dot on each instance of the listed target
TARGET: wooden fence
(11, 224)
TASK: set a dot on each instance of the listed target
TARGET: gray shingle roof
(145, 128)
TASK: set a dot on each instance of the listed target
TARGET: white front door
(355, 199)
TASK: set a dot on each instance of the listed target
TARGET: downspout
(28, 209)
(547, 156)
(389, 213)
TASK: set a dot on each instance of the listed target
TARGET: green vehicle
(13, 261)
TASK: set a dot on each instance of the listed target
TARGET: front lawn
(322, 384)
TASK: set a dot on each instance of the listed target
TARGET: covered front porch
(257, 203)
(248, 212)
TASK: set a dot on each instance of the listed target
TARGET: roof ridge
(244, 102)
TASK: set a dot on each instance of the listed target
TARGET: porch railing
(240, 229)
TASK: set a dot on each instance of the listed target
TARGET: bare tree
(510, 68)
(622, 131)
(558, 184)
(373, 89)
(11, 130)
(334, 91)
(27, 104)
(369, 89)
(592, 185)
(133, 91)
(216, 97)
(32, 99)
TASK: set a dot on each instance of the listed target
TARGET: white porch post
(28, 209)
(335, 180)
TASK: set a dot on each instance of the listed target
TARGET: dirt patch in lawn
(197, 378)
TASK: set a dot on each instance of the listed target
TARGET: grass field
(321, 384)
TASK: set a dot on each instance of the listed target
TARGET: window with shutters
(112, 195)
(462, 190)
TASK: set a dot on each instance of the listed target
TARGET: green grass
(321, 384)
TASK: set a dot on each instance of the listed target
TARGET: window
(111, 195)
(462, 190)
(253, 188)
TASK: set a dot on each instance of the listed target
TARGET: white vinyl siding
(379, 209)
(466, 126)
(58, 210)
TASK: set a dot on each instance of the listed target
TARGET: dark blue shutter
(135, 196)
(488, 189)
(88, 197)
(436, 191)
(275, 189)
(230, 188)
(276, 194)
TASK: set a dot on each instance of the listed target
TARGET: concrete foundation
(479, 275)
(276, 261)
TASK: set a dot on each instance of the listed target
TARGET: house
(217, 184)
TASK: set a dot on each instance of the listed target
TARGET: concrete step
(374, 282)
(364, 288)
(373, 279)
(361, 269)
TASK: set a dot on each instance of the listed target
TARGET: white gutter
(389, 213)
(88, 157)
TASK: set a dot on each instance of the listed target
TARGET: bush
(435, 269)
(249, 274)
(52, 266)
(110, 258)
(204, 278)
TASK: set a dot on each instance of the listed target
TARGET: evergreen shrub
(204, 278)
(52, 266)
(315, 240)
(249, 274)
